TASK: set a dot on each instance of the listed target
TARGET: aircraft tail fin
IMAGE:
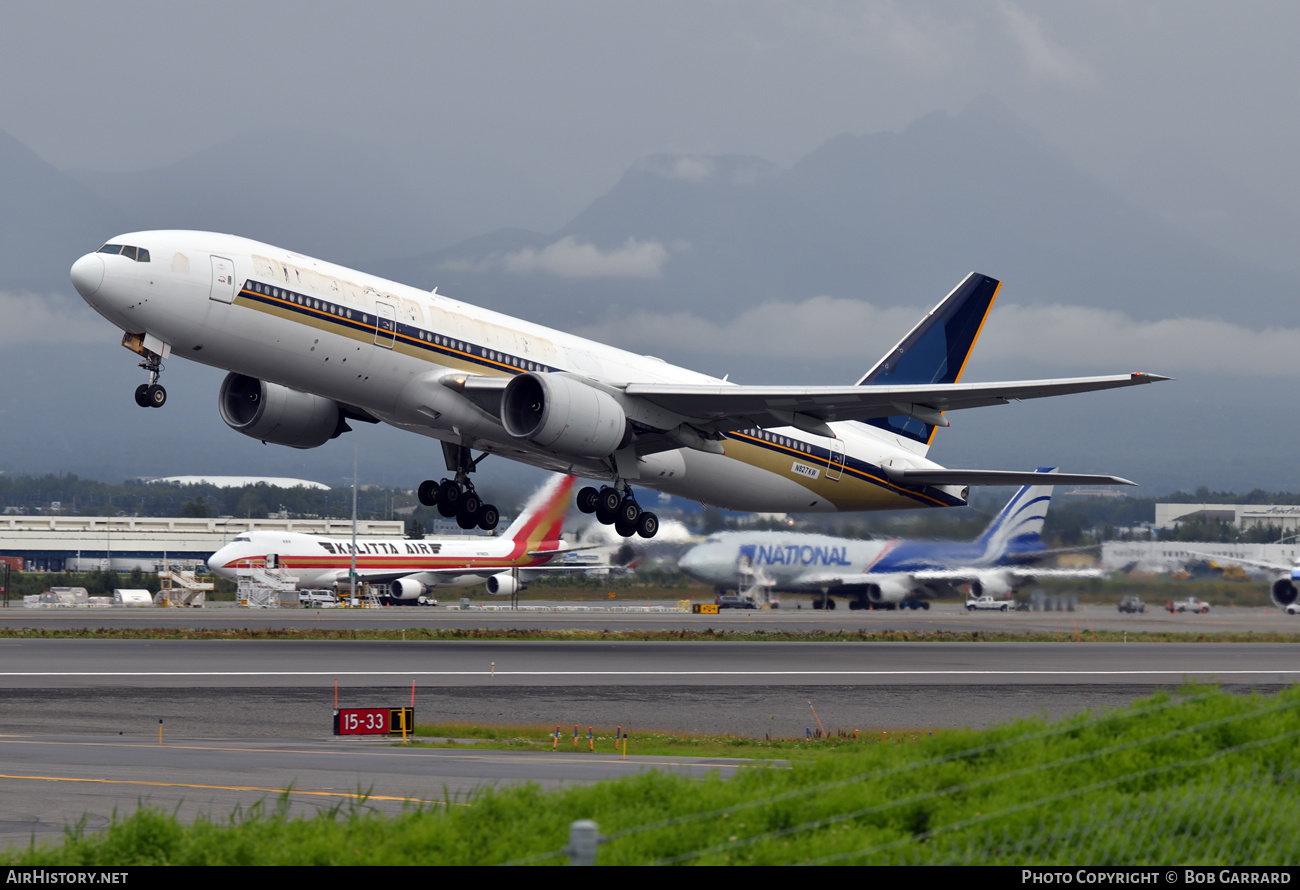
(1019, 525)
(542, 518)
(935, 351)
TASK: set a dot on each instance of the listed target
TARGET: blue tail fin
(1019, 526)
(935, 351)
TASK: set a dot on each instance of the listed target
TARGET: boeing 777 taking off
(310, 346)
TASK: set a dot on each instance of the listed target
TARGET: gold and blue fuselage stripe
(430, 344)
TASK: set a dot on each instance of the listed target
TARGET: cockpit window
(243, 538)
(139, 254)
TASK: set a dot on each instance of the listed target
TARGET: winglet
(935, 351)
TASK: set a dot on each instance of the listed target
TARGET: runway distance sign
(373, 721)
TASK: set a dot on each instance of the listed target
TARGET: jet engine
(503, 584)
(890, 589)
(995, 584)
(564, 415)
(1283, 592)
(277, 414)
(407, 589)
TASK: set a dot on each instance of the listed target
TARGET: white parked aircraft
(311, 346)
(413, 568)
(885, 573)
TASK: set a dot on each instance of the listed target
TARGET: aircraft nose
(88, 274)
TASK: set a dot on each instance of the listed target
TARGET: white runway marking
(499, 673)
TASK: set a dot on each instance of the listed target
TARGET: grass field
(1197, 777)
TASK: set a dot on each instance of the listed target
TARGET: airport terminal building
(123, 543)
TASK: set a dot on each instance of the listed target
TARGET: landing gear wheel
(629, 511)
(606, 517)
(156, 395)
(488, 517)
(428, 493)
(467, 521)
(647, 524)
(818, 603)
(623, 528)
(471, 504)
(588, 499)
(449, 496)
(925, 605)
(830, 604)
(608, 499)
(855, 605)
(141, 395)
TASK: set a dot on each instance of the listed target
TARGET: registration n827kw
(311, 346)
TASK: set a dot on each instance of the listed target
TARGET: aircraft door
(835, 465)
(223, 280)
(385, 325)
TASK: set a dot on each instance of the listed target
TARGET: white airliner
(412, 568)
(885, 573)
(311, 346)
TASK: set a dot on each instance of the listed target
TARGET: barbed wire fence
(1209, 808)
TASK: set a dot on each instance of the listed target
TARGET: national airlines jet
(311, 346)
(885, 573)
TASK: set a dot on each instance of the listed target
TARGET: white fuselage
(386, 348)
(324, 561)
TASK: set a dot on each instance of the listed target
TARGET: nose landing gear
(151, 394)
(621, 511)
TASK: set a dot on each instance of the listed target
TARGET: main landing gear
(457, 497)
(620, 511)
(151, 394)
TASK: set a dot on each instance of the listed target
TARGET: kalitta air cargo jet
(311, 346)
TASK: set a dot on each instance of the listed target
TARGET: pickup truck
(987, 602)
(1191, 604)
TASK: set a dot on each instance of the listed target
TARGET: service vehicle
(735, 601)
(1132, 604)
(317, 599)
(1191, 604)
(987, 602)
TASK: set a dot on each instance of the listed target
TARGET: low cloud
(571, 258)
(48, 318)
(1045, 59)
(1065, 339)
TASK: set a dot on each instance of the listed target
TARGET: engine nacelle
(504, 584)
(889, 589)
(407, 589)
(277, 414)
(1284, 592)
(564, 415)
(995, 584)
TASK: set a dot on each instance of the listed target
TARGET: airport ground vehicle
(1293, 609)
(317, 599)
(1132, 604)
(734, 601)
(1191, 604)
(987, 602)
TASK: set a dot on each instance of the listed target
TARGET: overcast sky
(569, 94)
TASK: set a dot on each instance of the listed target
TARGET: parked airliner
(310, 346)
(885, 573)
(410, 567)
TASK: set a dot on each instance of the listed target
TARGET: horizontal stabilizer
(997, 477)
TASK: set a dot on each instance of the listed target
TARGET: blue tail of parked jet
(1018, 528)
(935, 351)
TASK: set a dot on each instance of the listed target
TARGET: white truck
(987, 602)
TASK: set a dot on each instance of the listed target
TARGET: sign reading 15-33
(373, 721)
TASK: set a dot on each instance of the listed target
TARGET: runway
(949, 617)
(47, 782)
(243, 720)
